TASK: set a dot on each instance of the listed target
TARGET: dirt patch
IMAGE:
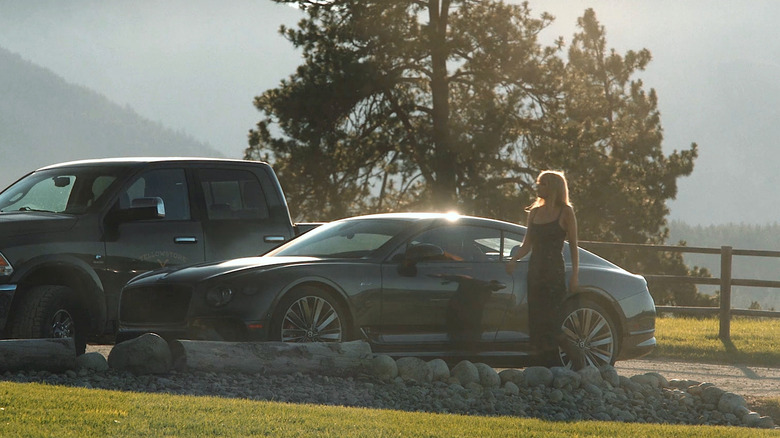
(759, 385)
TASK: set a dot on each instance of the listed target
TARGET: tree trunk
(444, 188)
(55, 355)
(323, 358)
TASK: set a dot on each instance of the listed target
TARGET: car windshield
(343, 239)
(71, 190)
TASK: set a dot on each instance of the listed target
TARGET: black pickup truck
(72, 234)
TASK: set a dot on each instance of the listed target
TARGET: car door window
(233, 194)
(462, 243)
(170, 185)
(512, 242)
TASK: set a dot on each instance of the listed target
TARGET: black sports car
(425, 285)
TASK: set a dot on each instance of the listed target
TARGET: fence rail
(725, 281)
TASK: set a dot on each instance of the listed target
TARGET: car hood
(205, 271)
(14, 223)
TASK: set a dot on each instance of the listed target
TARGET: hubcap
(311, 319)
(590, 332)
(62, 325)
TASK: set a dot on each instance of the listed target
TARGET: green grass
(33, 410)
(754, 341)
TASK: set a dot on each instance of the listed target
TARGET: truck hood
(14, 223)
(205, 271)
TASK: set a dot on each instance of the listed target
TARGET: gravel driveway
(739, 379)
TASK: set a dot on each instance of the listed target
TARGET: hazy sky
(195, 65)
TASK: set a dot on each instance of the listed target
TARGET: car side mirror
(423, 251)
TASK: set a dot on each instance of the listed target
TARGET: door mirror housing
(423, 251)
(143, 209)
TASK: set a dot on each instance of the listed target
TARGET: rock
(535, 376)
(683, 384)
(488, 377)
(383, 367)
(647, 379)
(565, 378)
(698, 389)
(730, 403)
(629, 384)
(512, 375)
(712, 395)
(465, 372)
(593, 389)
(414, 368)
(93, 361)
(146, 354)
(439, 369)
(590, 374)
(610, 375)
(765, 423)
(511, 389)
(662, 382)
(556, 395)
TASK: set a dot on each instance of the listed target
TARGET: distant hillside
(45, 120)
(738, 236)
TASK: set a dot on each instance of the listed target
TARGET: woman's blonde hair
(557, 182)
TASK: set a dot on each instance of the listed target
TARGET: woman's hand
(510, 267)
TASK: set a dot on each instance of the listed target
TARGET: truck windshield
(71, 190)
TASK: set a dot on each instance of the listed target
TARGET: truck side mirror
(148, 208)
(141, 209)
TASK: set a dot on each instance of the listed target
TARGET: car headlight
(219, 296)
(5, 267)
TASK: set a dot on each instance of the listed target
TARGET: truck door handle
(185, 239)
(273, 239)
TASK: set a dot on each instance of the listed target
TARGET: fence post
(725, 293)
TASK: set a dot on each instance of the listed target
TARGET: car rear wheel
(592, 333)
(49, 312)
(310, 314)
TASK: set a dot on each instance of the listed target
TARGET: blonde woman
(551, 220)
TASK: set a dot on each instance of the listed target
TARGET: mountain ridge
(44, 120)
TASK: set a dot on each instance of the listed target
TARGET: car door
(514, 330)
(456, 300)
(238, 221)
(137, 246)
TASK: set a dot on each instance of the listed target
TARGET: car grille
(163, 304)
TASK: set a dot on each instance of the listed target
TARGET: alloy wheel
(592, 334)
(62, 325)
(311, 319)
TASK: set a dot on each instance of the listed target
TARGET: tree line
(403, 105)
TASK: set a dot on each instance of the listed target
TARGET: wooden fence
(725, 281)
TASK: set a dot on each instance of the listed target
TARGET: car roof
(141, 161)
(432, 216)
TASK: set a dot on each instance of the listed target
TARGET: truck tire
(49, 311)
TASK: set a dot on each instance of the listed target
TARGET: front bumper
(635, 346)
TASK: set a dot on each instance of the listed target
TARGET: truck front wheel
(49, 312)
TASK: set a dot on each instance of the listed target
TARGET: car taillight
(5, 267)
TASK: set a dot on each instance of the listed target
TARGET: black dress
(546, 284)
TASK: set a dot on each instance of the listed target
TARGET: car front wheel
(592, 333)
(309, 314)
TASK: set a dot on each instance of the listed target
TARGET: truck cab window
(233, 194)
(168, 184)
